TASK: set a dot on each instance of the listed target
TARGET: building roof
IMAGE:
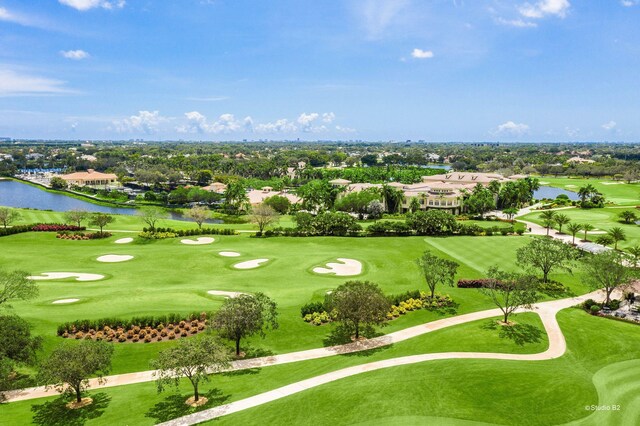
(258, 196)
(466, 177)
(89, 175)
(339, 182)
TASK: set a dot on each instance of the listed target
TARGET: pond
(21, 195)
(551, 193)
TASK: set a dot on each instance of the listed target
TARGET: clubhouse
(445, 191)
(91, 178)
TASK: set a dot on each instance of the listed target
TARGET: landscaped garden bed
(136, 330)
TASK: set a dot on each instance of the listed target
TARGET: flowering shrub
(55, 227)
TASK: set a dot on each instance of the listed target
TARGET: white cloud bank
(16, 83)
(610, 125)
(544, 8)
(76, 55)
(147, 122)
(511, 129)
(84, 5)
(376, 16)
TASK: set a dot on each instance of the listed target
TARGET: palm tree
(586, 191)
(548, 219)
(573, 229)
(561, 219)
(586, 227)
(628, 216)
(635, 252)
(617, 234)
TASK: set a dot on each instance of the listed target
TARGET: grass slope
(618, 192)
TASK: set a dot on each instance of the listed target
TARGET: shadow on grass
(56, 413)
(251, 352)
(521, 334)
(341, 335)
(245, 372)
(174, 405)
(447, 310)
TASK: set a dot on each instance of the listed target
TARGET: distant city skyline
(373, 70)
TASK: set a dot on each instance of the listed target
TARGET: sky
(377, 70)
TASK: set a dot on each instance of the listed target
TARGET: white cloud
(629, 3)
(511, 129)
(14, 83)
(518, 23)
(279, 126)
(226, 123)
(421, 54)
(543, 8)
(145, 122)
(328, 117)
(377, 15)
(7, 16)
(572, 133)
(345, 129)
(84, 5)
(76, 55)
(610, 125)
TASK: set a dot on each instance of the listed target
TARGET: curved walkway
(546, 310)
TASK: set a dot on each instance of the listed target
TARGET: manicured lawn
(167, 276)
(602, 219)
(140, 404)
(618, 192)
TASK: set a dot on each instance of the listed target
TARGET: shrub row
(15, 230)
(55, 227)
(128, 324)
(474, 283)
(65, 235)
(194, 231)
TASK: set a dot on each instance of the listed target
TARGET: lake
(551, 193)
(21, 195)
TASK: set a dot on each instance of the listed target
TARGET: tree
(634, 251)
(548, 219)
(414, 205)
(573, 229)
(198, 214)
(545, 255)
(560, 220)
(510, 291)
(437, 270)
(375, 209)
(76, 216)
(585, 192)
(16, 342)
(617, 234)
(15, 285)
(604, 240)
(628, 216)
(236, 196)
(510, 212)
(369, 159)
(263, 216)
(279, 203)
(57, 182)
(151, 216)
(357, 201)
(71, 364)
(8, 216)
(480, 201)
(244, 316)
(101, 220)
(358, 303)
(318, 195)
(586, 227)
(393, 198)
(607, 270)
(204, 177)
(194, 359)
(432, 222)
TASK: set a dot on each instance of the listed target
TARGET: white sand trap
(198, 241)
(544, 183)
(570, 186)
(124, 240)
(229, 253)
(230, 294)
(250, 264)
(346, 268)
(114, 258)
(61, 275)
(612, 183)
(64, 301)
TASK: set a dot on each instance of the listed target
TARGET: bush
(594, 309)
(312, 307)
(473, 283)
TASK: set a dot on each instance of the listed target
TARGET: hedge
(85, 325)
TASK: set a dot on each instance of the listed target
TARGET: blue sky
(440, 70)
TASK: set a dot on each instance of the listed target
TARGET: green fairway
(602, 219)
(167, 276)
(618, 192)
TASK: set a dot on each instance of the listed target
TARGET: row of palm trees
(551, 218)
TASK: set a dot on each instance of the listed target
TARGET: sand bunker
(61, 275)
(198, 241)
(113, 258)
(570, 186)
(250, 264)
(346, 268)
(230, 294)
(544, 183)
(124, 240)
(229, 253)
(64, 301)
(612, 183)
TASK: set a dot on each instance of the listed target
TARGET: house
(217, 187)
(90, 178)
(579, 160)
(257, 196)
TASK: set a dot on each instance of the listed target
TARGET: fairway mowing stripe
(455, 256)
